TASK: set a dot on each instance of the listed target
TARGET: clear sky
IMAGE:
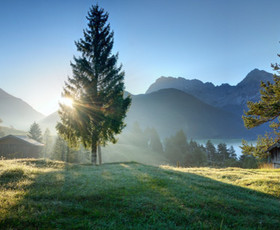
(218, 41)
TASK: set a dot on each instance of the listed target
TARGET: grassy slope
(48, 194)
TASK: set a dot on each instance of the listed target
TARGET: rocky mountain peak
(254, 78)
(231, 98)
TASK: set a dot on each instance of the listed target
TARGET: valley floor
(41, 194)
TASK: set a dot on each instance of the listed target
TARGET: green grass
(39, 194)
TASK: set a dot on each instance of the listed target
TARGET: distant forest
(176, 150)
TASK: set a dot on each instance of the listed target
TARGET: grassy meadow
(43, 194)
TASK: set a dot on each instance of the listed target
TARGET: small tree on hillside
(263, 111)
(96, 88)
(35, 132)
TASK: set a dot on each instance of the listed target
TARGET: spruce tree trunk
(99, 155)
(68, 153)
(93, 152)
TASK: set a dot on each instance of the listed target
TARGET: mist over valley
(201, 110)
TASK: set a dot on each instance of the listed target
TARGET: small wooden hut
(274, 157)
(12, 146)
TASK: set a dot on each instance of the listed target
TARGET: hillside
(170, 110)
(39, 194)
(16, 112)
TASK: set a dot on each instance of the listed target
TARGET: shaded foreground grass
(39, 194)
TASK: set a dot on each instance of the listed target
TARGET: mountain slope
(50, 122)
(15, 112)
(170, 110)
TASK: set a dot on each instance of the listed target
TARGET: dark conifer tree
(96, 88)
(35, 132)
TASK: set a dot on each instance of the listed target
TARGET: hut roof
(23, 138)
(276, 145)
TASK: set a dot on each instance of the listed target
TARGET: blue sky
(218, 41)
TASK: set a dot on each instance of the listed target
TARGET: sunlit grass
(265, 180)
(39, 194)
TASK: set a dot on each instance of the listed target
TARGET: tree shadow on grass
(136, 196)
(10, 177)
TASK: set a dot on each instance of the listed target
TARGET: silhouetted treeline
(176, 149)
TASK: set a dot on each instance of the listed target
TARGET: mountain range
(230, 98)
(202, 110)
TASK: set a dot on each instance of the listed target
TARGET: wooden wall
(13, 148)
(275, 157)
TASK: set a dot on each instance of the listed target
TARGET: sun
(66, 101)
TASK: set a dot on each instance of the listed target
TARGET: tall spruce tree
(35, 132)
(263, 111)
(96, 89)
